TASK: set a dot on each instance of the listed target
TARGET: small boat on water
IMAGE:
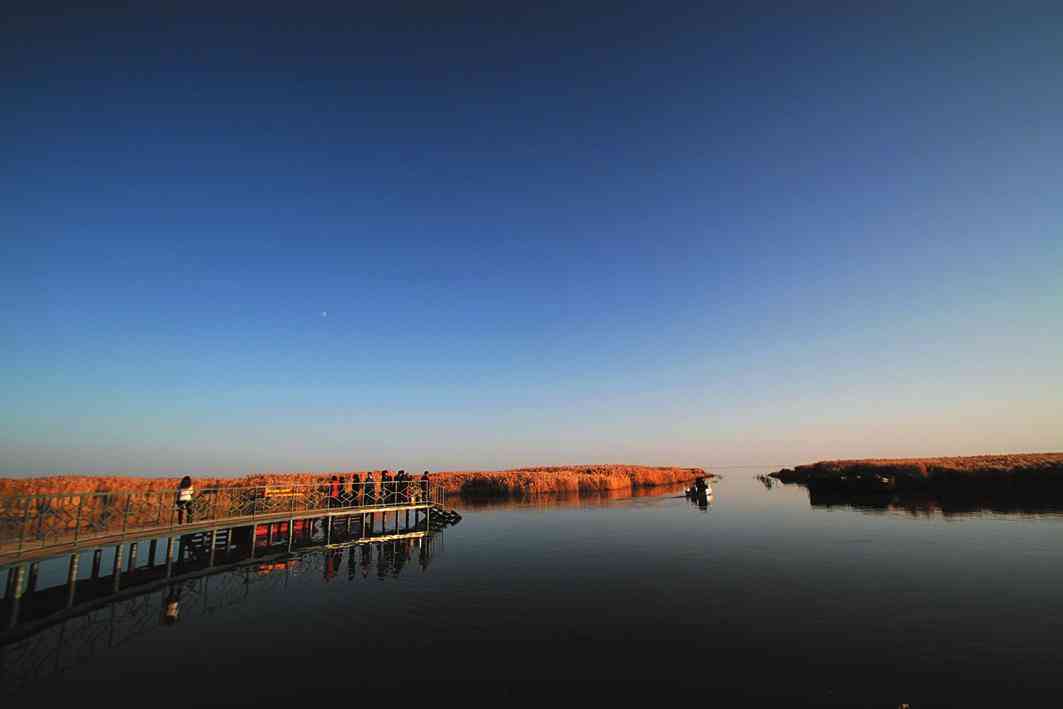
(699, 488)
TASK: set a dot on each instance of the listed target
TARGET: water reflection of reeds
(1011, 502)
(549, 501)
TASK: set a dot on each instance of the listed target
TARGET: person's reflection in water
(171, 606)
(384, 557)
(331, 562)
(367, 560)
(352, 566)
(402, 553)
(424, 558)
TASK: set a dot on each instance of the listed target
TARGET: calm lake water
(761, 594)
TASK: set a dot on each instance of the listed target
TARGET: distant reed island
(519, 482)
(982, 472)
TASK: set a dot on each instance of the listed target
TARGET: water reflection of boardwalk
(53, 633)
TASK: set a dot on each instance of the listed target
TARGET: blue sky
(469, 238)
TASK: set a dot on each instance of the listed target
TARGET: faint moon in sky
(324, 313)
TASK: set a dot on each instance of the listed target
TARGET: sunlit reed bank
(497, 483)
(917, 472)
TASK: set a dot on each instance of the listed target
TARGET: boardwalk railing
(33, 522)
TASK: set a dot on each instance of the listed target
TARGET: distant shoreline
(1026, 469)
(516, 482)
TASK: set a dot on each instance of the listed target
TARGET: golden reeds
(497, 483)
(1013, 466)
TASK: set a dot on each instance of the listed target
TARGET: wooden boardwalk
(41, 527)
(10, 553)
(36, 527)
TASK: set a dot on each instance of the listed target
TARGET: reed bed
(497, 483)
(1014, 467)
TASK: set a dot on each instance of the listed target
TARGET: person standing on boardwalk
(369, 489)
(385, 480)
(334, 492)
(369, 498)
(424, 486)
(342, 499)
(185, 492)
(356, 490)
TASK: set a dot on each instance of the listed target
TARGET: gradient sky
(452, 236)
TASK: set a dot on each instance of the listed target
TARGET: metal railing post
(72, 579)
(116, 568)
(125, 517)
(169, 556)
(77, 520)
(16, 596)
(25, 523)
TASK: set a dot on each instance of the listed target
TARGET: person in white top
(185, 492)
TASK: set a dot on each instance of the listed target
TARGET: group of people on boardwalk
(391, 490)
(340, 491)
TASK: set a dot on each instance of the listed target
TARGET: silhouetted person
(334, 491)
(701, 493)
(185, 493)
(344, 496)
(385, 487)
(356, 490)
(424, 486)
(369, 489)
